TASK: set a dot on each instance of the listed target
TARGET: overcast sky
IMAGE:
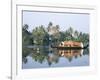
(78, 22)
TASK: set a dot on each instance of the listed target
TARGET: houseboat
(70, 45)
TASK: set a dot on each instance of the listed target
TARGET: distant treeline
(46, 35)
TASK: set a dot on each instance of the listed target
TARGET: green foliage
(44, 36)
(74, 35)
(26, 36)
(41, 35)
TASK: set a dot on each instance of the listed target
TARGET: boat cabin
(71, 44)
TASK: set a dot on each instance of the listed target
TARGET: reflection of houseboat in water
(70, 53)
(70, 45)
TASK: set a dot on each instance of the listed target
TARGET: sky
(78, 21)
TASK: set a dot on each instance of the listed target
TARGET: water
(46, 57)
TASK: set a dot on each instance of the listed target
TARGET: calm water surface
(45, 57)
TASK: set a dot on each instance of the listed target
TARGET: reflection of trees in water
(52, 58)
(39, 55)
(24, 60)
(86, 51)
(43, 55)
(25, 53)
(52, 55)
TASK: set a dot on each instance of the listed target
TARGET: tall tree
(26, 36)
(49, 26)
(76, 34)
(69, 33)
(39, 34)
(25, 27)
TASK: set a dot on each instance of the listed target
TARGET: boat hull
(69, 47)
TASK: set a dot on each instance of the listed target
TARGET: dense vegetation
(46, 35)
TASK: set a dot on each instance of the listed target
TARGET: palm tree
(69, 33)
(76, 34)
(70, 30)
(49, 26)
(25, 26)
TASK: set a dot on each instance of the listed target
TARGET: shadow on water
(50, 55)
